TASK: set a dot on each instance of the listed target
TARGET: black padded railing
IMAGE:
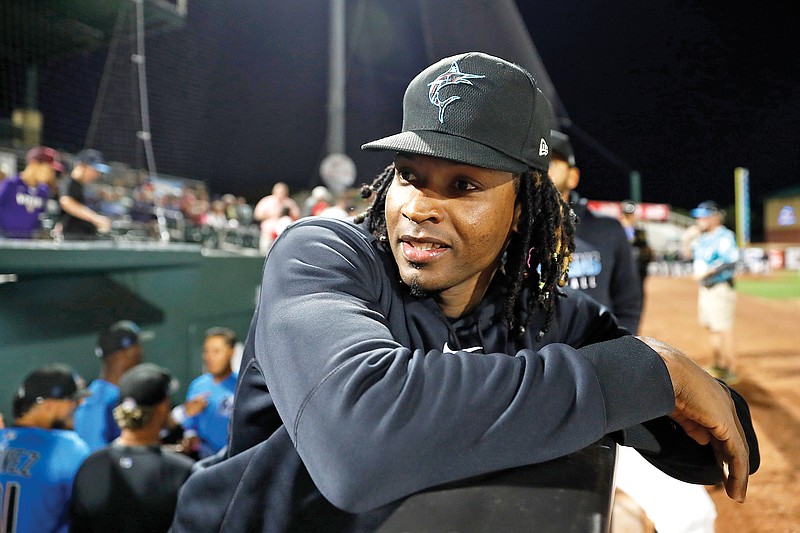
(572, 494)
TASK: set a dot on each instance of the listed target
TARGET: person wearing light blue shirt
(119, 350)
(206, 432)
(40, 452)
(715, 254)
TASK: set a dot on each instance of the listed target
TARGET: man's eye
(464, 185)
(403, 176)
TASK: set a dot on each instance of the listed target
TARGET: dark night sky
(683, 91)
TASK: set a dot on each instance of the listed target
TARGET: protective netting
(236, 90)
(81, 80)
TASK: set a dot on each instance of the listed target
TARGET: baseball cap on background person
(118, 336)
(475, 109)
(560, 146)
(56, 382)
(707, 209)
(45, 154)
(92, 158)
(141, 389)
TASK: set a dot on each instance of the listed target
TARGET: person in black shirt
(77, 220)
(132, 485)
(637, 236)
(602, 263)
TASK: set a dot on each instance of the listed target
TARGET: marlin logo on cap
(453, 76)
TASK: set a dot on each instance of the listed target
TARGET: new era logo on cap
(543, 149)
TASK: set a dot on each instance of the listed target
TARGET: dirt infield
(768, 348)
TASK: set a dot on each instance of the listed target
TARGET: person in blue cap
(712, 248)
(78, 221)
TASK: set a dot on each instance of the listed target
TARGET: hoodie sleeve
(374, 421)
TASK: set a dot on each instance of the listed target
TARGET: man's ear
(517, 215)
(574, 178)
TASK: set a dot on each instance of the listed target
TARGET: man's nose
(422, 205)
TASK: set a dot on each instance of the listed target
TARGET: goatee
(416, 289)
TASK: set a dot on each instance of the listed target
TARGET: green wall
(60, 296)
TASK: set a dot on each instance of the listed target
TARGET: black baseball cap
(93, 158)
(146, 385)
(476, 109)
(56, 381)
(560, 145)
(116, 337)
(706, 209)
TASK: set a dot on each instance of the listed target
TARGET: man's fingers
(705, 411)
(697, 432)
(737, 472)
(739, 466)
(733, 454)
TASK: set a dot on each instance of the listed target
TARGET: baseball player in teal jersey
(206, 428)
(713, 249)
(119, 350)
(40, 452)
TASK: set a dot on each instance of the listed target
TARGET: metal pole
(741, 178)
(636, 186)
(139, 58)
(336, 79)
(144, 134)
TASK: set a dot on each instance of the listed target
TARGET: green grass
(779, 285)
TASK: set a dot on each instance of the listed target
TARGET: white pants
(673, 506)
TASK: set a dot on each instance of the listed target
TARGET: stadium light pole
(636, 186)
(336, 79)
(337, 170)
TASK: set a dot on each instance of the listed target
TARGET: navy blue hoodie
(353, 394)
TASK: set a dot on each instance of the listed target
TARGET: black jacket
(603, 265)
(347, 402)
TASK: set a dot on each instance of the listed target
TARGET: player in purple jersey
(23, 197)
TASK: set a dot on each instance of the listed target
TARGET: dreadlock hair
(537, 256)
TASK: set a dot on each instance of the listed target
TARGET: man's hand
(196, 405)
(102, 223)
(704, 409)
